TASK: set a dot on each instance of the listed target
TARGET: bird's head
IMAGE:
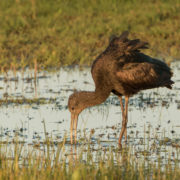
(75, 106)
(77, 102)
(74, 103)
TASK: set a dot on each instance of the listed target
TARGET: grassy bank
(65, 32)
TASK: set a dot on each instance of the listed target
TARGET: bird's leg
(122, 110)
(124, 122)
(126, 116)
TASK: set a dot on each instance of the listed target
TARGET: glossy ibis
(123, 70)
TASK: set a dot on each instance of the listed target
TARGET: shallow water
(152, 113)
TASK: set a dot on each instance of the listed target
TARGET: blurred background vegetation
(53, 33)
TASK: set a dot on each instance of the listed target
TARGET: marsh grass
(42, 34)
(62, 161)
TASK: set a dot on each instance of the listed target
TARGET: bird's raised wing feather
(122, 46)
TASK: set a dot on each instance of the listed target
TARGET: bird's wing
(122, 46)
(128, 47)
(123, 37)
(142, 75)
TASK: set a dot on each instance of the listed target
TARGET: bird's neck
(89, 99)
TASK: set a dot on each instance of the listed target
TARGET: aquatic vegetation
(30, 101)
(61, 161)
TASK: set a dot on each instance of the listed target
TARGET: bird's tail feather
(168, 84)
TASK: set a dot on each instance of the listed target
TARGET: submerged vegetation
(23, 100)
(55, 33)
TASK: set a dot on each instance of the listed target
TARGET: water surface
(152, 113)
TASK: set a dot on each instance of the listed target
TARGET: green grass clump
(60, 32)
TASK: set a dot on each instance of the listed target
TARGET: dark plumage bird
(123, 70)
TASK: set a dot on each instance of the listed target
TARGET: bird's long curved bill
(74, 120)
